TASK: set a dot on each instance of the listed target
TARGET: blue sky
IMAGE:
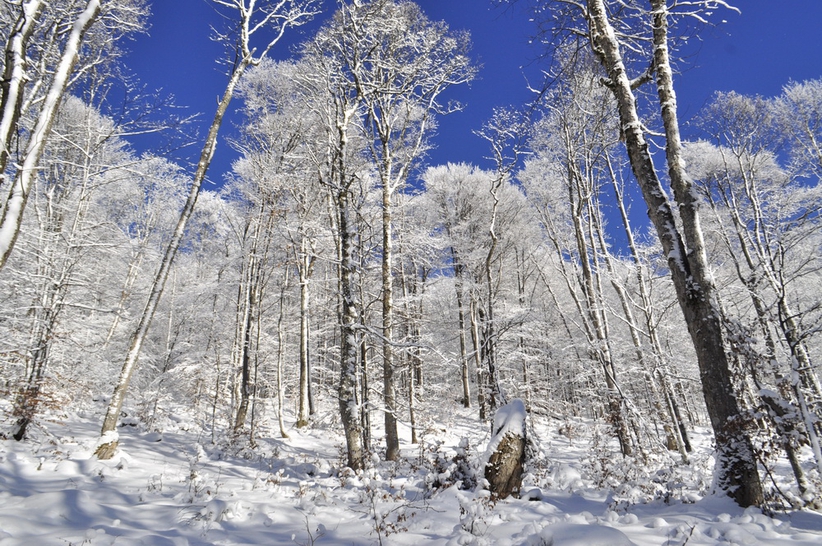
(755, 52)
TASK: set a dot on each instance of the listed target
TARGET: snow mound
(570, 534)
(509, 419)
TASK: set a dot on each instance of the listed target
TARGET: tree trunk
(280, 352)
(679, 432)
(464, 375)
(736, 464)
(505, 465)
(305, 375)
(249, 307)
(15, 77)
(349, 410)
(392, 440)
(108, 446)
(475, 340)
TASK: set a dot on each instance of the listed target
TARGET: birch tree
(21, 87)
(271, 18)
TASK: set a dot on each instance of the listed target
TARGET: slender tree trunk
(280, 352)
(459, 285)
(27, 402)
(475, 340)
(414, 314)
(392, 440)
(249, 306)
(365, 397)
(109, 443)
(680, 432)
(15, 77)
(305, 372)
(580, 194)
(523, 348)
(486, 313)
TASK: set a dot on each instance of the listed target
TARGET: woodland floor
(172, 486)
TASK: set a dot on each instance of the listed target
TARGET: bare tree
(337, 160)
(453, 206)
(81, 160)
(272, 18)
(505, 135)
(397, 63)
(766, 218)
(277, 142)
(594, 22)
(572, 145)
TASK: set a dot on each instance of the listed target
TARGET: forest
(350, 327)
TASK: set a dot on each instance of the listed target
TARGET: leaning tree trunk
(14, 75)
(735, 465)
(109, 439)
(12, 213)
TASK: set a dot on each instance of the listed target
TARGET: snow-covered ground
(175, 488)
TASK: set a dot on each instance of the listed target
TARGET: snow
(569, 534)
(508, 419)
(170, 487)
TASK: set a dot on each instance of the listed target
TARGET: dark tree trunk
(736, 465)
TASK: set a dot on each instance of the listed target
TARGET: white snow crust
(171, 487)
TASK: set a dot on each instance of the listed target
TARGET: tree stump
(506, 451)
(107, 446)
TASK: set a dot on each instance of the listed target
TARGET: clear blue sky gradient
(755, 52)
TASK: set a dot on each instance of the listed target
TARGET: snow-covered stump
(506, 451)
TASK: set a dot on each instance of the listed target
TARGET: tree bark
(459, 281)
(14, 75)
(349, 409)
(392, 439)
(304, 269)
(506, 464)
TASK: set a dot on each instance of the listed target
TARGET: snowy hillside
(175, 488)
